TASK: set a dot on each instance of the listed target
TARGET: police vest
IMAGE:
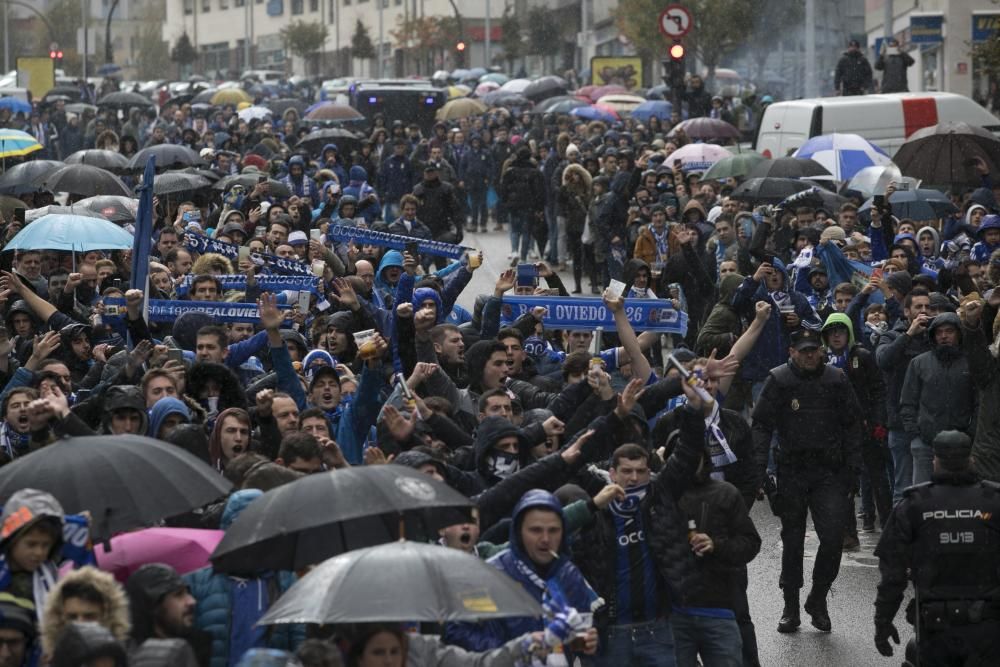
(808, 414)
(956, 532)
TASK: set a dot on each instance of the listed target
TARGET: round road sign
(675, 21)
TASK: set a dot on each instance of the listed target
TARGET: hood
(26, 508)
(989, 222)
(727, 288)
(231, 392)
(19, 306)
(121, 397)
(968, 214)
(841, 319)
(414, 458)
(693, 205)
(296, 160)
(185, 329)
(358, 174)
(422, 294)
(390, 258)
(163, 653)
(984, 197)
(632, 268)
(347, 200)
(215, 440)
(164, 407)
(146, 588)
(83, 642)
(489, 432)
(577, 169)
(535, 499)
(941, 320)
(114, 615)
(937, 239)
(328, 147)
(237, 502)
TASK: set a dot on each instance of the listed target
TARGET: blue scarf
(837, 360)
(629, 507)
(249, 603)
(14, 444)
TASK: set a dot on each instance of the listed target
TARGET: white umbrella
(257, 112)
(621, 103)
(874, 180)
(698, 157)
(516, 85)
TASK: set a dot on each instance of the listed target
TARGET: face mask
(503, 464)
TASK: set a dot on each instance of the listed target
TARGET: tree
(361, 42)
(304, 39)
(987, 55)
(183, 52)
(154, 56)
(773, 22)
(510, 39)
(64, 17)
(544, 38)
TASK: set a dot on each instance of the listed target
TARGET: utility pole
(109, 52)
(6, 42)
(487, 59)
(381, 36)
(810, 82)
(887, 18)
(85, 14)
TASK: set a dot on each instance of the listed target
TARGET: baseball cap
(803, 339)
(298, 237)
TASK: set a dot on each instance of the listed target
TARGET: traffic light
(460, 52)
(674, 67)
(56, 55)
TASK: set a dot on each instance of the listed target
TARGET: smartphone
(261, 179)
(304, 301)
(405, 387)
(19, 215)
(244, 253)
(413, 248)
(259, 231)
(175, 354)
(527, 275)
(769, 259)
(117, 283)
(677, 162)
(877, 273)
(616, 288)
(878, 201)
(316, 234)
(903, 186)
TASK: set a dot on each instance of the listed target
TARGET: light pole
(486, 39)
(84, 15)
(381, 63)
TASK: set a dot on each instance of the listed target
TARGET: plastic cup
(318, 268)
(474, 260)
(365, 340)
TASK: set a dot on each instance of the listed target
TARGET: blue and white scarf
(628, 508)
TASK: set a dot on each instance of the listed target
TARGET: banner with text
(360, 236)
(266, 282)
(589, 312)
(164, 310)
(202, 244)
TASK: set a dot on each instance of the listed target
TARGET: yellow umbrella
(243, 105)
(461, 108)
(454, 92)
(15, 143)
(231, 96)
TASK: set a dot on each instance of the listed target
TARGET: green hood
(727, 288)
(840, 318)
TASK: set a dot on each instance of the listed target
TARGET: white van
(885, 120)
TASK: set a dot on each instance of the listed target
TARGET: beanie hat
(900, 281)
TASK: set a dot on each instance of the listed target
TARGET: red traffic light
(52, 54)
(460, 46)
(677, 51)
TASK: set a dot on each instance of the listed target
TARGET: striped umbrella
(843, 155)
(15, 143)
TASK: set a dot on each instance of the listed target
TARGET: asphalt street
(851, 600)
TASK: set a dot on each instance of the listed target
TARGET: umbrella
(460, 108)
(707, 129)
(80, 108)
(83, 179)
(68, 93)
(594, 112)
(168, 156)
(254, 113)
(944, 154)
(402, 581)
(769, 190)
(124, 481)
(205, 97)
(333, 111)
(659, 108)
(248, 181)
(486, 87)
(494, 77)
(919, 204)
(281, 105)
(184, 549)
(874, 180)
(506, 98)
(698, 157)
(545, 87)
(560, 104)
(843, 155)
(179, 181)
(788, 167)
(457, 91)
(208, 174)
(113, 207)
(97, 157)
(27, 176)
(363, 506)
(228, 96)
(822, 198)
(109, 69)
(658, 92)
(15, 105)
(597, 92)
(621, 103)
(124, 100)
(33, 214)
(735, 166)
(345, 140)
(75, 231)
(15, 143)
(515, 85)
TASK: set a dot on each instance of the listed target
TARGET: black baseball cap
(803, 339)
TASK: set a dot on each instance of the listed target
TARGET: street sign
(675, 21)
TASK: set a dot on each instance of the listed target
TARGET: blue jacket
(168, 405)
(214, 611)
(359, 189)
(561, 574)
(387, 291)
(771, 349)
(395, 178)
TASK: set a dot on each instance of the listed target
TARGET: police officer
(813, 409)
(946, 534)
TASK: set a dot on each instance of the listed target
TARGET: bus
(412, 101)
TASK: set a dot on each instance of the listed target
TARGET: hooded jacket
(163, 653)
(863, 373)
(163, 408)
(574, 200)
(439, 209)
(853, 73)
(114, 608)
(985, 369)
(893, 355)
(301, 185)
(561, 573)
(82, 642)
(982, 250)
(723, 325)
(938, 393)
(231, 394)
(215, 453)
(360, 189)
(213, 591)
(522, 186)
(124, 397)
(491, 430)
(386, 290)
(395, 177)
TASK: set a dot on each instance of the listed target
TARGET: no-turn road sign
(675, 21)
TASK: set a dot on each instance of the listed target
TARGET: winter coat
(439, 210)
(475, 169)
(522, 188)
(213, 593)
(894, 68)
(114, 609)
(513, 561)
(985, 370)
(574, 200)
(853, 74)
(723, 325)
(695, 272)
(395, 178)
(893, 355)
(864, 375)
(938, 393)
(644, 247)
(417, 229)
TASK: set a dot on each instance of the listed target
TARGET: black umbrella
(944, 154)
(112, 207)
(788, 167)
(210, 174)
(249, 181)
(769, 190)
(402, 581)
(560, 104)
(82, 179)
(124, 481)
(545, 87)
(922, 204)
(361, 507)
(506, 98)
(124, 100)
(168, 156)
(205, 96)
(69, 93)
(96, 157)
(27, 176)
(178, 181)
(822, 198)
(313, 142)
(280, 106)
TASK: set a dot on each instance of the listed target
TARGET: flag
(141, 246)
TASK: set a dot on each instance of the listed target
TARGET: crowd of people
(617, 469)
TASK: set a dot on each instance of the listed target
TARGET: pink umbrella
(486, 87)
(610, 89)
(184, 549)
(698, 157)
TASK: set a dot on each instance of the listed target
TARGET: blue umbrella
(80, 233)
(659, 108)
(593, 113)
(921, 205)
(14, 105)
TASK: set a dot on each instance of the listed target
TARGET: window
(223, 4)
(188, 7)
(206, 6)
(239, 3)
(313, 6)
(297, 6)
(333, 10)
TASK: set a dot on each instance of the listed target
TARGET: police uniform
(945, 537)
(815, 417)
